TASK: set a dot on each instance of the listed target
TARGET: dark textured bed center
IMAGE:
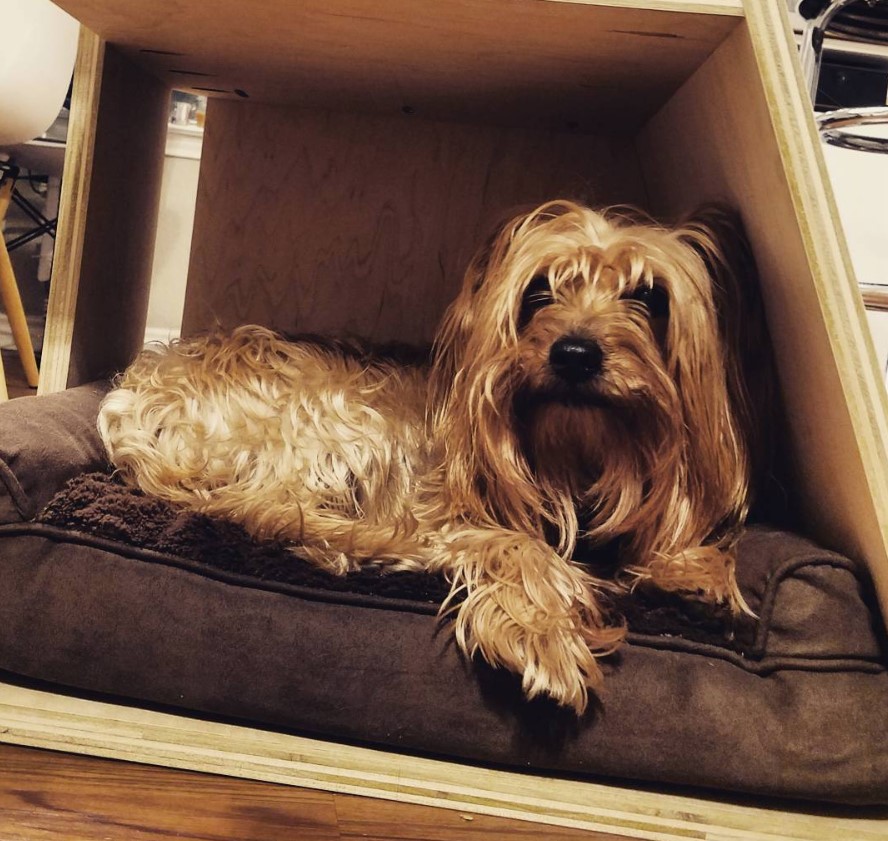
(96, 504)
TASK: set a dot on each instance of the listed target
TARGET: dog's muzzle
(575, 360)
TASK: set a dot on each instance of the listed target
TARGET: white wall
(178, 195)
(860, 184)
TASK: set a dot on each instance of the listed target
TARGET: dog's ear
(458, 321)
(477, 268)
(716, 233)
(495, 246)
(469, 399)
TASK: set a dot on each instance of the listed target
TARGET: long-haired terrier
(587, 383)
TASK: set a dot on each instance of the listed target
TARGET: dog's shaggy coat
(588, 382)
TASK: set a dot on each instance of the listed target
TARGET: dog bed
(108, 591)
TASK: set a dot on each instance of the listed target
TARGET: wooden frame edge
(42, 719)
(73, 210)
(699, 7)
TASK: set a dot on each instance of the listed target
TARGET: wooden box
(356, 152)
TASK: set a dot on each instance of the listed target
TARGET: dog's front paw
(559, 663)
(556, 659)
(524, 608)
(703, 573)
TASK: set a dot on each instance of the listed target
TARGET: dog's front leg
(521, 606)
(706, 573)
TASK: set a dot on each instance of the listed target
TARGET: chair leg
(12, 300)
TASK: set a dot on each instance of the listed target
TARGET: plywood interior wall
(337, 222)
(516, 62)
(716, 140)
(107, 218)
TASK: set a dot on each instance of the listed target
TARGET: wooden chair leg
(12, 300)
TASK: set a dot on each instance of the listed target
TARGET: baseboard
(160, 334)
(184, 142)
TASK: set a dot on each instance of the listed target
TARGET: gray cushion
(44, 441)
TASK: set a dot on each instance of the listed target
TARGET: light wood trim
(73, 210)
(108, 215)
(41, 719)
(119, 239)
(700, 7)
(4, 392)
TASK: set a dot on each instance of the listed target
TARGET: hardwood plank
(45, 794)
(55, 795)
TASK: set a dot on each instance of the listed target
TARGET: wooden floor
(46, 795)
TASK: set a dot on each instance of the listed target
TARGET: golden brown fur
(588, 398)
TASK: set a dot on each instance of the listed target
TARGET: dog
(587, 384)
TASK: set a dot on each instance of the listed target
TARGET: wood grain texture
(124, 194)
(72, 215)
(41, 719)
(107, 218)
(4, 392)
(741, 130)
(45, 794)
(519, 62)
(50, 795)
(699, 7)
(328, 222)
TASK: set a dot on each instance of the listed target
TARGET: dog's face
(592, 368)
(584, 358)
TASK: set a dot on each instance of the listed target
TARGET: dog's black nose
(576, 359)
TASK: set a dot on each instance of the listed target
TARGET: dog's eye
(537, 295)
(653, 297)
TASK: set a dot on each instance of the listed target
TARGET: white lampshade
(36, 64)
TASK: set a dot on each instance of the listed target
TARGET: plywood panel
(741, 130)
(330, 222)
(506, 61)
(42, 719)
(107, 218)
